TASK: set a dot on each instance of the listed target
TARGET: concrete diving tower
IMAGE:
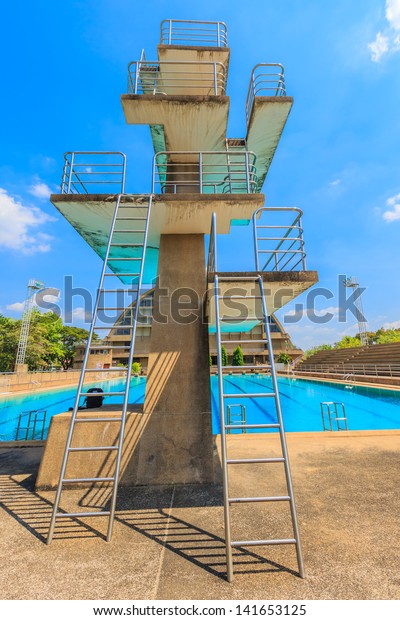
(197, 171)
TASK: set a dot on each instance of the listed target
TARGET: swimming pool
(366, 408)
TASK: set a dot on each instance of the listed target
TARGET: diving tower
(199, 177)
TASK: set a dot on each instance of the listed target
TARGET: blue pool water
(366, 408)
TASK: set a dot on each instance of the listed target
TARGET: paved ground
(168, 542)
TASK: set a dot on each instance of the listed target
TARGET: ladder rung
(254, 395)
(96, 394)
(241, 319)
(105, 479)
(92, 448)
(119, 290)
(266, 460)
(237, 278)
(107, 347)
(122, 244)
(260, 543)
(113, 308)
(110, 258)
(117, 275)
(274, 498)
(252, 426)
(66, 515)
(122, 368)
(223, 298)
(133, 217)
(243, 341)
(246, 366)
(77, 420)
(112, 328)
(129, 231)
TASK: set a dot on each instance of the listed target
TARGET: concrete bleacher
(380, 361)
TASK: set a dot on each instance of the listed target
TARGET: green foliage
(237, 357)
(284, 358)
(224, 356)
(210, 360)
(347, 342)
(384, 336)
(50, 343)
(136, 368)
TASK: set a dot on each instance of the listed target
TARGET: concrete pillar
(176, 445)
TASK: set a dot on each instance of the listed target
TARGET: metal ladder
(129, 224)
(236, 158)
(226, 462)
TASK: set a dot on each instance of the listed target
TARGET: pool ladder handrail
(226, 428)
(135, 275)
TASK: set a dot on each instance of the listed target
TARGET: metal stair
(227, 428)
(131, 220)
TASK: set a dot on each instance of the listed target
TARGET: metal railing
(93, 172)
(281, 243)
(176, 77)
(266, 80)
(212, 248)
(35, 425)
(193, 33)
(206, 172)
(345, 370)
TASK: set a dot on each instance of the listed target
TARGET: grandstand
(379, 363)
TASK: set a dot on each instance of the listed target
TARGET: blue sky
(63, 69)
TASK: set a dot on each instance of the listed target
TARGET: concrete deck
(168, 541)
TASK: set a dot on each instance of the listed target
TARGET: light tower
(33, 287)
(351, 282)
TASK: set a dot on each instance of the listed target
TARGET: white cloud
(18, 306)
(393, 325)
(393, 13)
(393, 213)
(16, 224)
(335, 183)
(81, 315)
(389, 41)
(379, 47)
(39, 189)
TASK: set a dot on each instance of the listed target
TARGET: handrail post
(218, 34)
(123, 173)
(70, 173)
(215, 79)
(201, 171)
(246, 158)
(136, 78)
(255, 241)
(154, 175)
(170, 32)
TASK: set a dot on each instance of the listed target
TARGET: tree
(71, 338)
(347, 342)
(9, 337)
(387, 335)
(284, 358)
(210, 360)
(237, 357)
(136, 368)
(224, 356)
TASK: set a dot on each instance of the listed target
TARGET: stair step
(254, 395)
(92, 448)
(261, 460)
(234, 341)
(79, 420)
(105, 479)
(252, 426)
(260, 543)
(243, 500)
(249, 366)
(96, 394)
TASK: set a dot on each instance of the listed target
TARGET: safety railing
(267, 80)
(212, 247)
(371, 370)
(206, 172)
(35, 425)
(278, 239)
(176, 77)
(93, 172)
(193, 33)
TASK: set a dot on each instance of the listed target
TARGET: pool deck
(168, 541)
